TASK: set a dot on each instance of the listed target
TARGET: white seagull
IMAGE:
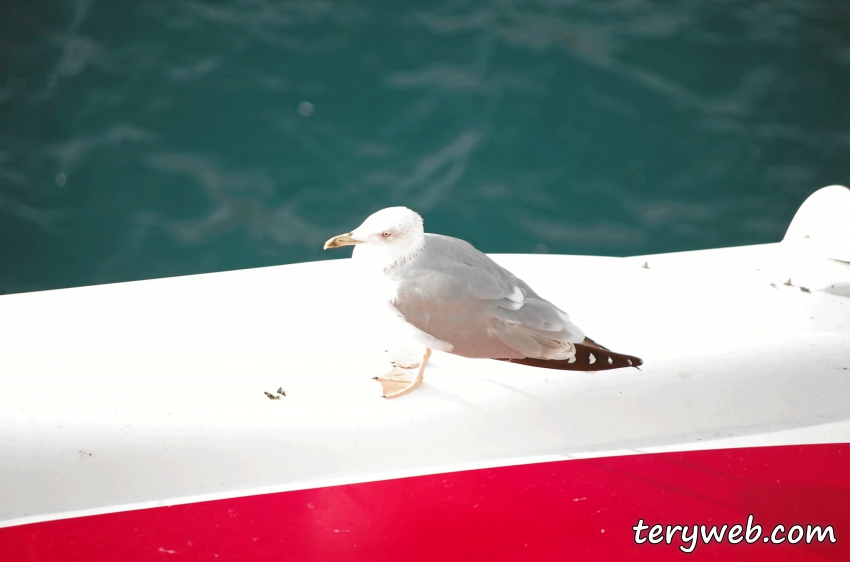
(459, 301)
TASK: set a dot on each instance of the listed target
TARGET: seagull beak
(342, 240)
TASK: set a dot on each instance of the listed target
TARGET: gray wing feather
(450, 287)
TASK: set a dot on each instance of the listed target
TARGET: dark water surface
(152, 138)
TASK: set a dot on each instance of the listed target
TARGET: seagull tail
(590, 356)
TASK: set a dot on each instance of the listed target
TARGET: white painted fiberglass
(141, 393)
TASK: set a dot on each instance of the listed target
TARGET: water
(148, 139)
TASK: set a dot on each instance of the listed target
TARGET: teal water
(151, 138)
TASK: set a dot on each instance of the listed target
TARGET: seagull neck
(403, 254)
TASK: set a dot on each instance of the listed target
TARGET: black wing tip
(602, 360)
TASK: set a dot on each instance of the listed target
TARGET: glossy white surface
(149, 391)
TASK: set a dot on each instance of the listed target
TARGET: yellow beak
(342, 240)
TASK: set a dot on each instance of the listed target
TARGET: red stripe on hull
(569, 510)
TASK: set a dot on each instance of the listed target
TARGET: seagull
(457, 300)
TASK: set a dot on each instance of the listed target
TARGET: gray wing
(457, 294)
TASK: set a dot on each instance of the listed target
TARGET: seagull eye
(386, 234)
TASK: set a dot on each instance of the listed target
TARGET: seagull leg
(398, 382)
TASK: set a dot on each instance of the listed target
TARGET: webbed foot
(398, 381)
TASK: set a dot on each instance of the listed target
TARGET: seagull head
(395, 232)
